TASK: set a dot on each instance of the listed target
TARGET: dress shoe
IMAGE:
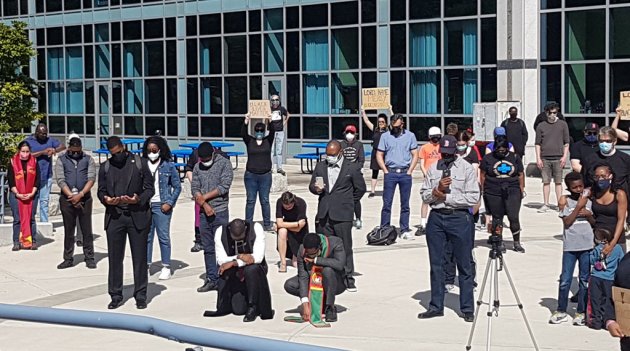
(252, 313)
(331, 313)
(518, 247)
(207, 286)
(141, 304)
(65, 264)
(215, 313)
(114, 304)
(196, 248)
(469, 317)
(34, 246)
(16, 247)
(90, 264)
(430, 314)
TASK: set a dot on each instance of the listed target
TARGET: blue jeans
(449, 261)
(44, 195)
(13, 202)
(403, 180)
(208, 227)
(160, 222)
(569, 259)
(258, 184)
(442, 228)
(278, 145)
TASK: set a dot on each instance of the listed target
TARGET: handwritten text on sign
(375, 98)
(259, 108)
(624, 104)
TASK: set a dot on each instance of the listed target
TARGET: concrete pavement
(393, 285)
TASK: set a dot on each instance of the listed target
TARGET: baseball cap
(591, 126)
(448, 144)
(434, 131)
(499, 131)
(351, 128)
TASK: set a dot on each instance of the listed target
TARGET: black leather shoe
(469, 317)
(430, 314)
(65, 264)
(90, 264)
(141, 305)
(518, 247)
(207, 286)
(331, 314)
(252, 313)
(80, 243)
(114, 304)
(574, 298)
(196, 248)
(215, 313)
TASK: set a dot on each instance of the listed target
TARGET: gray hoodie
(218, 176)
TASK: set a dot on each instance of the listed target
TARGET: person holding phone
(451, 189)
(503, 183)
(125, 188)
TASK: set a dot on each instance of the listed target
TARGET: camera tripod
(497, 264)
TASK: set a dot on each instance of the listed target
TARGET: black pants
(342, 230)
(117, 231)
(624, 344)
(450, 264)
(600, 294)
(333, 285)
(508, 203)
(70, 215)
(240, 288)
(197, 236)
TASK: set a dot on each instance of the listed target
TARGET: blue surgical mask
(462, 148)
(259, 135)
(603, 184)
(605, 148)
(591, 139)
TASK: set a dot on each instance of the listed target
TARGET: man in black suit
(327, 253)
(339, 185)
(125, 187)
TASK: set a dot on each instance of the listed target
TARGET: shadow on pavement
(451, 301)
(153, 290)
(175, 266)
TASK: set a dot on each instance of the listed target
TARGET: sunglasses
(275, 99)
(590, 133)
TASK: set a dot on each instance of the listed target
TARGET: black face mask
(448, 158)
(41, 138)
(396, 130)
(500, 154)
(119, 158)
(513, 116)
(75, 155)
(435, 140)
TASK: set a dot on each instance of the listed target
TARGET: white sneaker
(407, 235)
(165, 273)
(449, 287)
(579, 319)
(543, 209)
(558, 317)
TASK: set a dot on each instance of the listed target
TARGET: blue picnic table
(216, 144)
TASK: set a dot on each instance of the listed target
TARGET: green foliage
(17, 89)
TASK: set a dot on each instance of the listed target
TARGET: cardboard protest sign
(375, 98)
(624, 104)
(621, 297)
(259, 108)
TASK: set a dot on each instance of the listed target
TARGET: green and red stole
(316, 293)
(25, 186)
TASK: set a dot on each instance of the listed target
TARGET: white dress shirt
(258, 250)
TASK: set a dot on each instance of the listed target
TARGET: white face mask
(207, 164)
(153, 156)
(349, 136)
(332, 160)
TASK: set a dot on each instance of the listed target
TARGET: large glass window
(346, 93)
(585, 35)
(550, 84)
(255, 53)
(619, 29)
(579, 3)
(316, 94)
(235, 22)
(293, 94)
(398, 91)
(585, 88)
(397, 10)
(424, 44)
(488, 84)
(315, 50)
(236, 95)
(368, 47)
(274, 52)
(456, 8)
(74, 63)
(133, 96)
(424, 9)
(154, 58)
(293, 51)
(619, 81)
(345, 48)
(489, 41)
(273, 19)
(425, 92)
(210, 24)
(550, 46)
(398, 45)
(461, 90)
(154, 96)
(420, 126)
(154, 124)
(292, 17)
(236, 59)
(211, 127)
(368, 11)
(210, 56)
(460, 46)
(55, 64)
(344, 13)
(315, 128)
(56, 103)
(132, 60)
(74, 97)
(134, 125)
(314, 16)
(153, 29)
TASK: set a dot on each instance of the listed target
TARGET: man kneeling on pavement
(325, 254)
(243, 286)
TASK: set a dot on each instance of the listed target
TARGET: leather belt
(398, 170)
(450, 211)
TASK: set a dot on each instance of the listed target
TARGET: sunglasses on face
(275, 99)
(590, 133)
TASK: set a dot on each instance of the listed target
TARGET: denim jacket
(170, 183)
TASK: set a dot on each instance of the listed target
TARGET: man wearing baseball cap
(352, 150)
(585, 148)
(451, 189)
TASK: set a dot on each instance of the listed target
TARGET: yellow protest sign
(375, 98)
(624, 104)
(259, 108)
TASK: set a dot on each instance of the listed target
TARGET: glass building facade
(188, 68)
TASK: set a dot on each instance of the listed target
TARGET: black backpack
(385, 235)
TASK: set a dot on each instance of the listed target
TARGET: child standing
(577, 217)
(602, 278)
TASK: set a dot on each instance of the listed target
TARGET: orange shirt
(429, 154)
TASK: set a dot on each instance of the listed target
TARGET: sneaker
(371, 195)
(407, 235)
(543, 209)
(350, 286)
(208, 286)
(16, 247)
(196, 248)
(268, 228)
(518, 247)
(34, 246)
(90, 264)
(165, 273)
(281, 171)
(421, 230)
(579, 319)
(449, 287)
(558, 317)
(358, 223)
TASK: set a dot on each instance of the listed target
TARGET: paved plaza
(393, 287)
